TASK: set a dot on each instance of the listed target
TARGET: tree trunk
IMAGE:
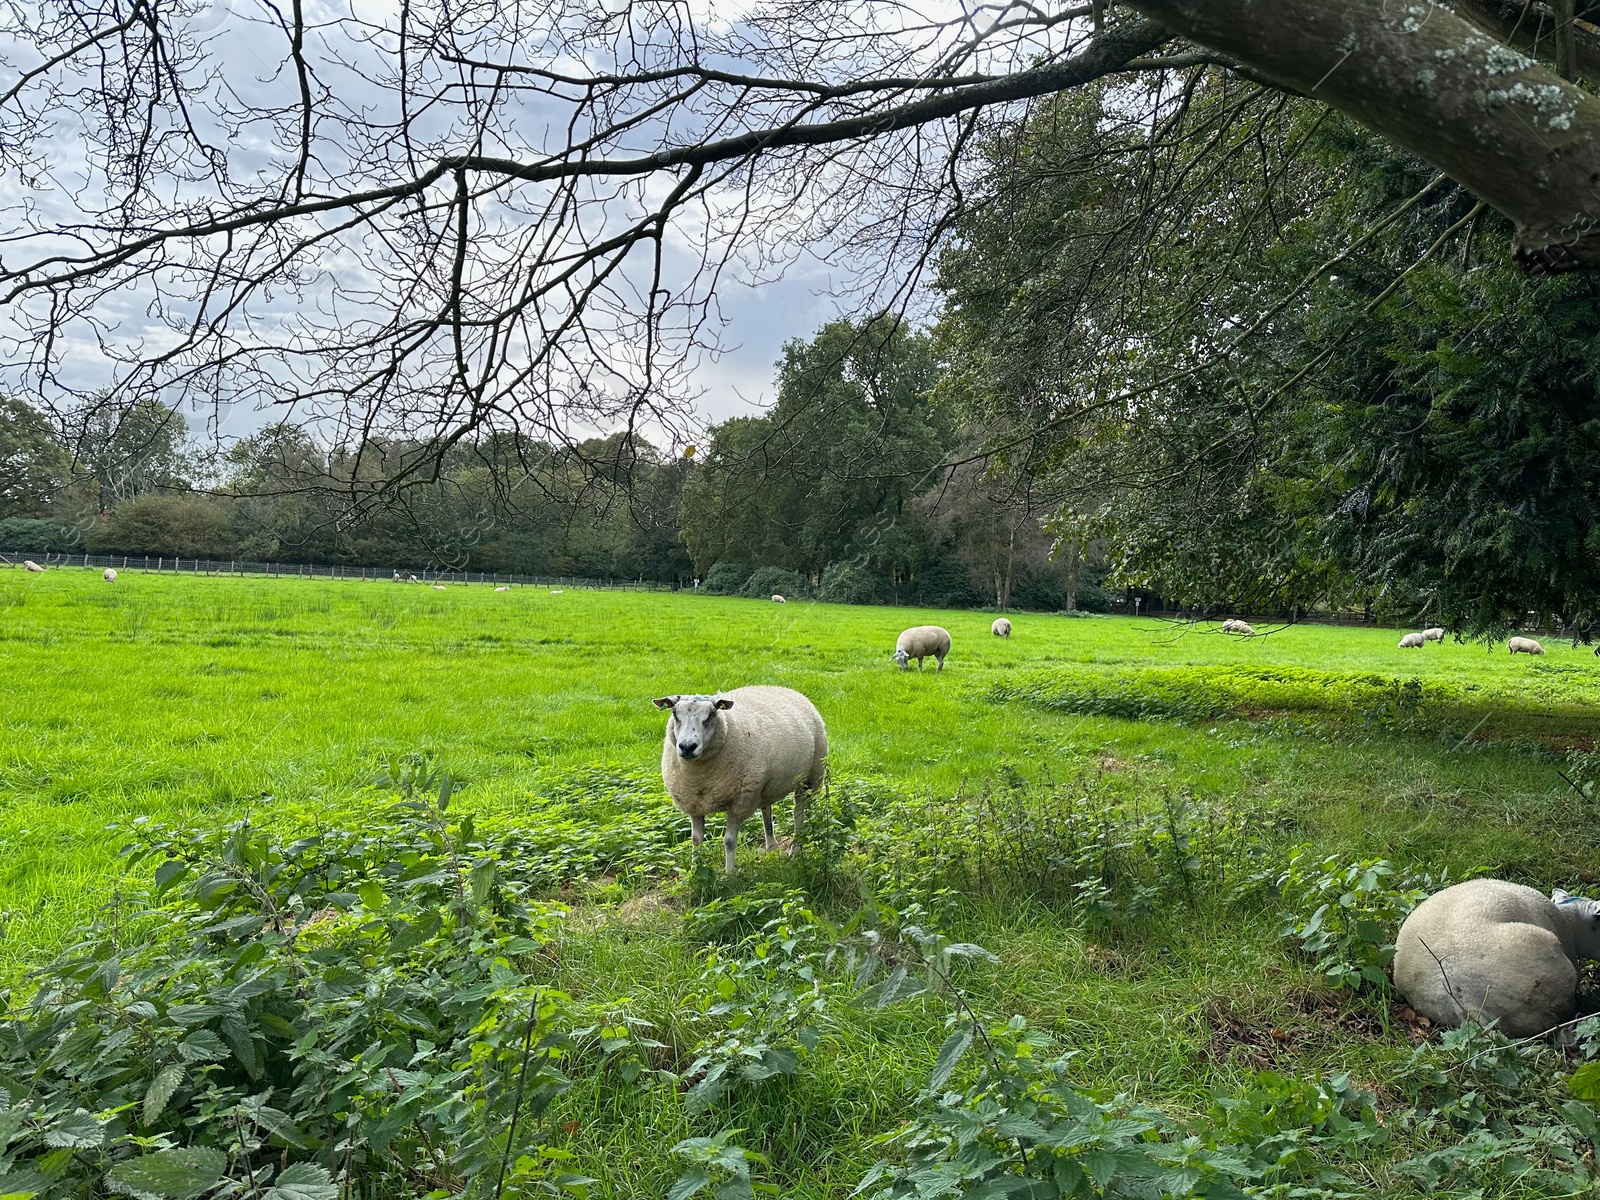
(1490, 117)
(1072, 576)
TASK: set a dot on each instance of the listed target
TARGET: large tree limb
(1490, 117)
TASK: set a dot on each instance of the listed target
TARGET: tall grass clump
(1094, 846)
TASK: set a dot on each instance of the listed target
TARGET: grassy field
(198, 701)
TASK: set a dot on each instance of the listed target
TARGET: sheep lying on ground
(1412, 641)
(778, 600)
(1488, 950)
(29, 565)
(1524, 646)
(919, 642)
(1233, 625)
(1001, 627)
(1435, 634)
(503, 588)
(739, 751)
(111, 575)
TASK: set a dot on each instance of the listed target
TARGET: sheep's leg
(730, 840)
(766, 827)
(941, 662)
(697, 828)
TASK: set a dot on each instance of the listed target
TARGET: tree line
(1251, 357)
(837, 492)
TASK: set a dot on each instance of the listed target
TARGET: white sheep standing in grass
(1234, 625)
(110, 575)
(1412, 641)
(1521, 645)
(29, 565)
(1433, 634)
(919, 642)
(1488, 950)
(1001, 627)
(778, 599)
(738, 751)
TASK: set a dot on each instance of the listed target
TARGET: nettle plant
(349, 1014)
(1346, 915)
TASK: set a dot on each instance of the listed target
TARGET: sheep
(1489, 950)
(1434, 634)
(738, 751)
(919, 642)
(29, 565)
(503, 588)
(778, 600)
(110, 575)
(1234, 625)
(397, 576)
(1521, 645)
(1412, 641)
(1001, 627)
(438, 587)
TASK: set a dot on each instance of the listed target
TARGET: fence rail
(209, 566)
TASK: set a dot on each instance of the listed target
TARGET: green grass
(201, 700)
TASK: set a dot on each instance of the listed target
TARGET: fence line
(1126, 609)
(161, 564)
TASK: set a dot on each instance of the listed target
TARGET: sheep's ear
(665, 701)
(724, 704)
(1557, 896)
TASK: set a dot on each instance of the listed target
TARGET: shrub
(179, 525)
(1041, 595)
(1093, 598)
(770, 581)
(846, 583)
(948, 585)
(723, 579)
(24, 533)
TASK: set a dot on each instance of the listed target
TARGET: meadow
(1108, 806)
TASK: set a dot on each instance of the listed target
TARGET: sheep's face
(1584, 916)
(695, 728)
(903, 658)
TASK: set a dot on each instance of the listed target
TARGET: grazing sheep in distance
(778, 600)
(1434, 634)
(1234, 625)
(110, 575)
(1001, 627)
(738, 751)
(29, 565)
(1524, 646)
(919, 642)
(1412, 641)
(1488, 950)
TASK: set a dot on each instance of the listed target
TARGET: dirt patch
(1238, 1035)
(644, 910)
(1413, 1024)
(1260, 1035)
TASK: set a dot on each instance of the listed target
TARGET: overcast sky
(757, 317)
